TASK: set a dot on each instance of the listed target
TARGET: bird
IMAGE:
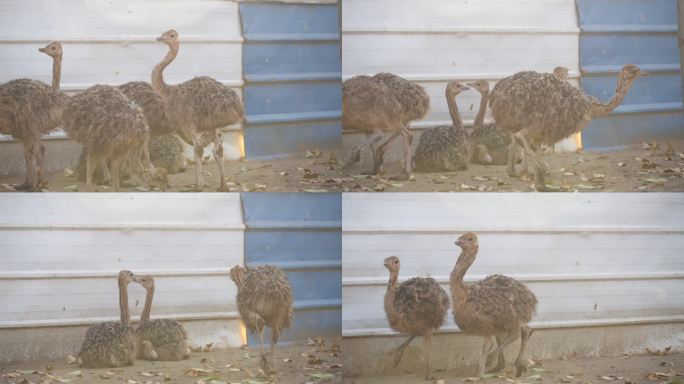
(491, 144)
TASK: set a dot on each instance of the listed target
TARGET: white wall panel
(591, 259)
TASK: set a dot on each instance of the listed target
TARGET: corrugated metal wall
(590, 259)
(300, 233)
(641, 32)
(292, 72)
(61, 253)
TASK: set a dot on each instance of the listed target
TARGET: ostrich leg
(380, 155)
(40, 164)
(198, 151)
(116, 173)
(427, 345)
(218, 157)
(486, 349)
(520, 364)
(91, 164)
(530, 155)
(500, 358)
(356, 151)
(30, 167)
(400, 350)
(406, 172)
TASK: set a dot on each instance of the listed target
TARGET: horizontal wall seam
(292, 117)
(270, 78)
(291, 37)
(464, 30)
(372, 281)
(119, 40)
(446, 77)
(535, 230)
(124, 227)
(628, 28)
(108, 273)
(534, 325)
(251, 224)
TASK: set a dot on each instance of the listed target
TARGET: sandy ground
(622, 370)
(636, 169)
(294, 363)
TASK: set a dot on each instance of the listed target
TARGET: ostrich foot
(355, 158)
(520, 369)
(499, 366)
(265, 364)
(23, 186)
(403, 176)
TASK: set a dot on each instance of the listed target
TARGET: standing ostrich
(417, 307)
(264, 298)
(446, 147)
(384, 102)
(111, 344)
(539, 108)
(159, 339)
(199, 105)
(495, 306)
(492, 143)
(109, 125)
(28, 110)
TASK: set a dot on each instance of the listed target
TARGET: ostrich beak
(41, 50)
(160, 38)
(459, 243)
(643, 74)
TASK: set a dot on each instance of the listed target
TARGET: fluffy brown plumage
(495, 306)
(540, 108)
(28, 110)
(416, 307)
(166, 151)
(491, 144)
(264, 298)
(111, 344)
(445, 148)
(109, 125)
(199, 105)
(159, 339)
(382, 103)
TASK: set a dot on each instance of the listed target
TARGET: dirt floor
(295, 364)
(622, 370)
(649, 167)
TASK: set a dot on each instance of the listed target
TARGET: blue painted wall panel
(292, 69)
(301, 233)
(641, 32)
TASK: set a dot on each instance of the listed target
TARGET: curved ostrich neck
(479, 119)
(391, 292)
(123, 302)
(56, 72)
(459, 291)
(148, 304)
(453, 110)
(600, 109)
(157, 73)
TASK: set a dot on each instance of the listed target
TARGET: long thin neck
(123, 302)
(459, 291)
(158, 72)
(479, 119)
(453, 110)
(148, 305)
(390, 294)
(601, 109)
(56, 72)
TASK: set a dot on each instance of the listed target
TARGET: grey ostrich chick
(28, 110)
(166, 151)
(264, 299)
(416, 307)
(111, 344)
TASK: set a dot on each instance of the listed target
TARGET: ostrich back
(106, 340)
(420, 304)
(496, 304)
(166, 333)
(415, 102)
(368, 104)
(267, 292)
(443, 149)
(151, 104)
(29, 108)
(204, 103)
(551, 109)
(105, 121)
(495, 139)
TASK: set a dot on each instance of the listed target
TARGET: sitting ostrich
(109, 125)
(199, 105)
(28, 110)
(264, 298)
(384, 102)
(417, 307)
(111, 344)
(159, 339)
(539, 108)
(446, 147)
(492, 144)
(495, 306)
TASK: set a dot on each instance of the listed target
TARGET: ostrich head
(54, 49)
(467, 241)
(126, 276)
(392, 263)
(237, 274)
(631, 72)
(561, 72)
(146, 281)
(454, 88)
(169, 37)
(481, 86)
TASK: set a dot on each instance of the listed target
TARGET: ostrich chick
(416, 307)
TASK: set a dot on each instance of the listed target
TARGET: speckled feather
(266, 291)
(166, 151)
(109, 344)
(151, 104)
(29, 109)
(443, 149)
(168, 337)
(420, 304)
(496, 140)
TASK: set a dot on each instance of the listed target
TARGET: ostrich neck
(148, 305)
(158, 72)
(123, 302)
(479, 119)
(459, 291)
(56, 72)
(601, 109)
(391, 292)
(453, 110)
